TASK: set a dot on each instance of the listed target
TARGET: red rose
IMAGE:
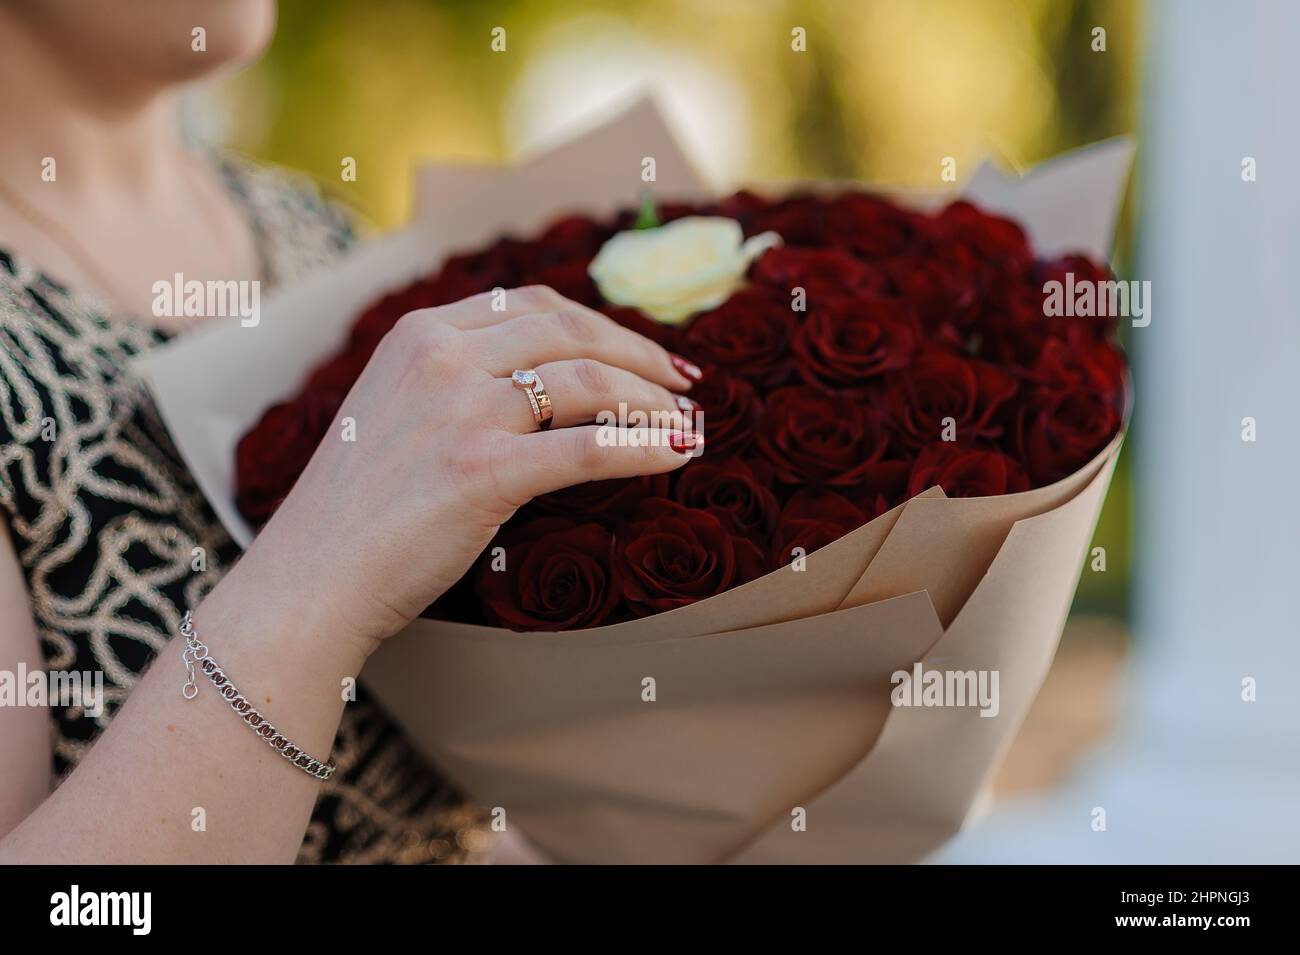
(570, 238)
(333, 380)
(569, 278)
(558, 575)
(749, 335)
(970, 260)
(1014, 328)
(738, 494)
(269, 458)
(378, 320)
(942, 385)
(810, 437)
(845, 341)
(815, 517)
(993, 240)
(1082, 361)
(742, 206)
(871, 227)
(966, 472)
(670, 211)
(559, 257)
(848, 510)
(1058, 432)
(671, 556)
(500, 266)
(608, 502)
(798, 220)
(796, 539)
(1084, 271)
(944, 292)
(819, 272)
(730, 411)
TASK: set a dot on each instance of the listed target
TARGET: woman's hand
(446, 450)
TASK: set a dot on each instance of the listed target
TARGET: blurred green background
(884, 91)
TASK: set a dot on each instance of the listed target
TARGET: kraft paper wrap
(771, 697)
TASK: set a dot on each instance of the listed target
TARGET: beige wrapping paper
(767, 698)
(916, 783)
(743, 723)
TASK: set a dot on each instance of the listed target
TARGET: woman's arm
(375, 529)
(164, 761)
(25, 755)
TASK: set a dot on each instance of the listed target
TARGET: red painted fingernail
(686, 404)
(686, 368)
(683, 442)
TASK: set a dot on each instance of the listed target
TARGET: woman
(99, 199)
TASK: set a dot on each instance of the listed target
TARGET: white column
(1194, 773)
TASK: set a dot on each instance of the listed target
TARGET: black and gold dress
(104, 518)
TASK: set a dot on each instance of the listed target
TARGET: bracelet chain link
(196, 656)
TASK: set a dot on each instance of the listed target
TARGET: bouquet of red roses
(904, 462)
(873, 354)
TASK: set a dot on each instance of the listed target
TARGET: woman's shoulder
(58, 355)
(299, 227)
(26, 296)
(30, 326)
(24, 399)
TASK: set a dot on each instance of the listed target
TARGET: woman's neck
(97, 189)
(103, 136)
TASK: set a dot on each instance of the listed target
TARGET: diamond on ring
(530, 383)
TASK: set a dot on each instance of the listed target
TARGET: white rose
(676, 270)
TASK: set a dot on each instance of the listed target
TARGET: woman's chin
(234, 34)
(155, 41)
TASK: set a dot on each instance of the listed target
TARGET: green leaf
(648, 217)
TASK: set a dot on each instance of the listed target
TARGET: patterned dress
(104, 518)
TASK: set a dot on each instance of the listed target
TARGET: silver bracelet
(196, 654)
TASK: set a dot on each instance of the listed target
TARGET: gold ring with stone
(528, 381)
